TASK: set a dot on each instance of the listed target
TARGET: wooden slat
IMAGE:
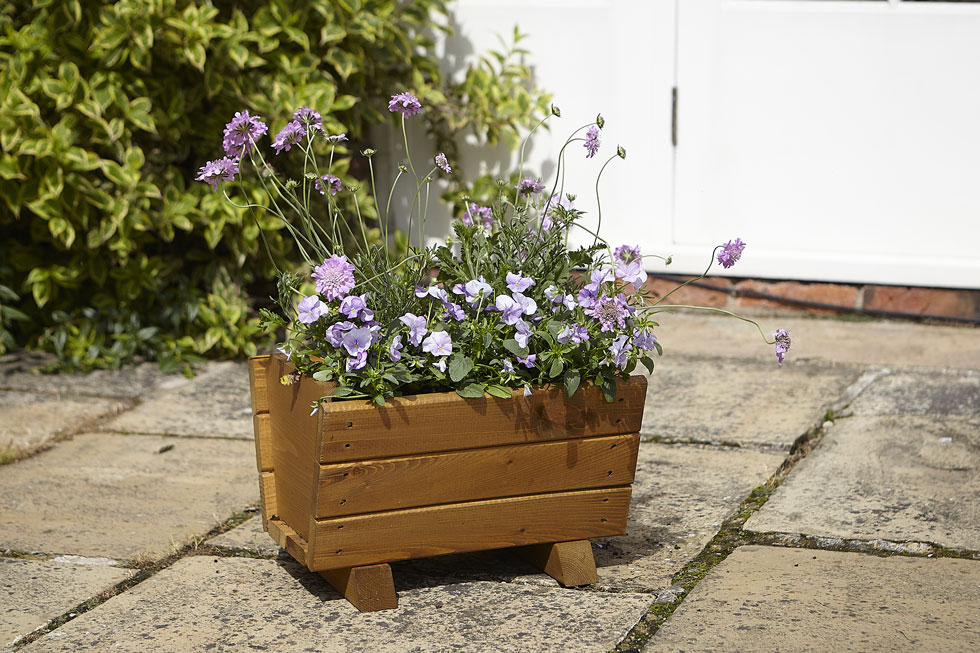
(258, 381)
(473, 526)
(369, 588)
(288, 539)
(262, 427)
(570, 563)
(468, 475)
(267, 496)
(356, 430)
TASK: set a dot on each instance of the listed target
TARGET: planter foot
(570, 563)
(368, 588)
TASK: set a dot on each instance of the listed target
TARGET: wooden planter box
(355, 486)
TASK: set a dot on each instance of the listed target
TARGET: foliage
(109, 249)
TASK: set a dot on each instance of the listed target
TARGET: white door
(839, 139)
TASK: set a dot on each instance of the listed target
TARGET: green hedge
(108, 248)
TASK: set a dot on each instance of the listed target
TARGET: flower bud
(352, 189)
(402, 168)
(555, 111)
(599, 120)
(291, 183)
(309, 175)
(668, 260)
(621, 151)
(368, 152)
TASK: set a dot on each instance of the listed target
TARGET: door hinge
(673, 116)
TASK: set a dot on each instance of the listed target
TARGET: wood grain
(494, 472)
(262, 428)
(288, 539)
(258, 380)
(267, 496)
(472, 526)
(570, 563)
(368, 588)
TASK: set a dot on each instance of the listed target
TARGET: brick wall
(915, 301)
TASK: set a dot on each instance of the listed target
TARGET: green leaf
(196, 56)
(511, 345)
(647, 363)
(499, 391)
(472, 391)
(556, 367)
(342, 391)
(609, 388)
(9, 169)
(459, 367)
(322, 375)
(660, 350)
(572, 380)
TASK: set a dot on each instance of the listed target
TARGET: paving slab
(247, 536)
(123, 496)
(941, 394)
(775, 599)
(234, 604)
(748, 403)
(34, 592)
(29, 420)
(19, 371)
(893, 477)
(878, 342)
(214, 403)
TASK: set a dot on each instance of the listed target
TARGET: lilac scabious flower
(311, 309)
(626, 254)
(517, 283)
(439, 343)
(241, 134)
(217, 171)
(529, 186)
(592, 141)
(550, 214)
(334, 278)
(610, 311)
(336, 138)
(632, 272)
(307, 117)
(288, 136)
(476, 214)
(783, 343)
(416, 327)
(406, 104)
(395, 350)
(730, 252)
(443, 163)
(326, 182)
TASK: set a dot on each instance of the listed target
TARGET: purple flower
(307, 117)
(241, 134)
(326, 182)
(335, 334)
(587, 297)
(550, 215)
(416, 327)
(528, 305)
(730, 252)
(783, 343)
(592, 141)
(357, 340)
(574, 332)
(620, 351)
(644, 339)
(311, 309)
(610, 311)
(443, 163)
(522, 332)
(626, 254)
(406, 104)
(355, 307)
(421, 292)
(455, 311)
(334, 278)
(510, 309)
(439, 343)
(529, 186)
(357, 361)
(217, 171)
(476, 214)
(517, 283)
(336, 138)
(527, 362)
(507, 366)
(291, 134)
(477, 289)
(439, 293)
(632, 272)
(395, 350)
(527, 390)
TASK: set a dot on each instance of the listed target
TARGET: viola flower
(644, 339)
(627, 254)
(217, 171)
(510, 310)
(610, 311)
(395, 350)
(455, 311)
(311, 309)
(406, 104)
(529, 186)
(439, 343)
(291, 134)
(307, 117)
(334, 278)
(620, 351)
(632, 272)
(335, 334)
(527, 362)
(730, 252)
(440, 365)
(355, 307)
(357, 340)
(241, 133)
(783, 343)
(522, 332)
(357, 361)
(421, 292)
(477, 289)
(576, 333)
(507, 366)
(528, 305)
(517, 283)
(527, 390)
(443, 163)
(327, 181)
(416, 327)
(592, 141)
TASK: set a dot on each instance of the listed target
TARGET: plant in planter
(468, 396)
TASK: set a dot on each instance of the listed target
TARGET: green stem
(711, 262)
(658, 308)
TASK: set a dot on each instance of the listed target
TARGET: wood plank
(468, 475)
(262, 428)
(570, 563)
(472, 526)
(267, 496)
(288, 539)
(368, 588)
(258, 375)
(357, 430)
